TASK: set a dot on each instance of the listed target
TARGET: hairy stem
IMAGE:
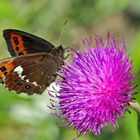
(135, 105)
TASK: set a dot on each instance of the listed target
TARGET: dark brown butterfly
(33, 64)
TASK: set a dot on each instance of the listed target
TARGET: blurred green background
(28, 118)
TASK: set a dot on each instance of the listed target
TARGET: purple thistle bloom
(96, 86)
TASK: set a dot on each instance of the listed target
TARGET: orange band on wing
(18, 44)
(6, 67)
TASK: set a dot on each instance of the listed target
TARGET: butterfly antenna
(62, 32)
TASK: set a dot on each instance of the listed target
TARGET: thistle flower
(96, 86)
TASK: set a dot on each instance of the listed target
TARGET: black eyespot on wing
(19, 84)
(5, 73)
(20, 53)
(15, 80)
(17, 48)
(16, 40)
(27, 86)
(3, 68)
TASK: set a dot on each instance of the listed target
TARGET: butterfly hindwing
(14, 82)
(22, 43)
(30, 73)
(43, 72)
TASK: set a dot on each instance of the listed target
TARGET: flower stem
(135, 105)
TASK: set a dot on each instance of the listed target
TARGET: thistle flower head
(96, 86)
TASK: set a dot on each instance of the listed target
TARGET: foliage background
(28, 118)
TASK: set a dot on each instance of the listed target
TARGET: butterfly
(33, 65)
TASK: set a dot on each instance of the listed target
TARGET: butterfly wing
(30, 73)
(21, 43)
(14, 82)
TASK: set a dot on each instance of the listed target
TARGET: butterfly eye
(27, 86)
(16, 40)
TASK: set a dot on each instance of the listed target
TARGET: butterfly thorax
(59, 54)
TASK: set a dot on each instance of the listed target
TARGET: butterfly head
(59, 51)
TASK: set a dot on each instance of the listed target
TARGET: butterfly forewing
(22, 43)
